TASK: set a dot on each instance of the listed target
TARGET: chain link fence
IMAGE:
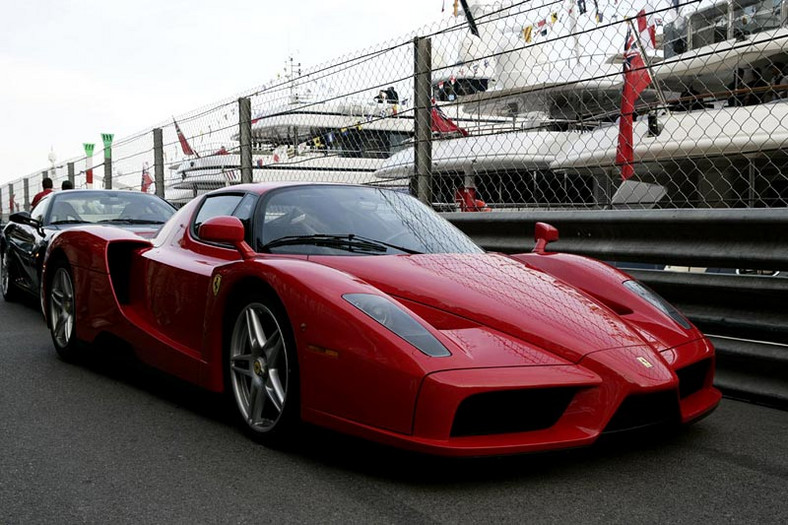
(597, 104)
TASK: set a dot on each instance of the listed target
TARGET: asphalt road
(113, 442)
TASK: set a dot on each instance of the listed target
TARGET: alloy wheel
(61, 307)
(259, 367)
(5, 279)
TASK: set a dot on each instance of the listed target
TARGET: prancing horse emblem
(217, 283)
(645, 362)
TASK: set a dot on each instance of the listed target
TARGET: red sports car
(360, 309)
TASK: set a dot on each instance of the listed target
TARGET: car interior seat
(64, 211)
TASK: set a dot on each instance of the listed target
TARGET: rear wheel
(262, 370)
(62, 313)
(9, 289)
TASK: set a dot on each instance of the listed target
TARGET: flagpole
(573, 29)
(648, 66)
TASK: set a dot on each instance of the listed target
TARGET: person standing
(47, 185)
(67, 185)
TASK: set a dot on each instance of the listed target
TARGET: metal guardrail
(746, 316)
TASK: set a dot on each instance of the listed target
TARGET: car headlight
(658, 302)
(398, 321)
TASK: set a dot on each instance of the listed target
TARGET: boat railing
(693, 101)
(210, 149)
(723, 21)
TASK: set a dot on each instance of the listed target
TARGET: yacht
(304, 140)
(552, 86)
(721, 139)
(709, 136)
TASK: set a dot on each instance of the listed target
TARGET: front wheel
(9, 289)
(262, 366)
(62, 313)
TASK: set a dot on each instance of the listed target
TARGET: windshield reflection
(376, 214)
(94, 207)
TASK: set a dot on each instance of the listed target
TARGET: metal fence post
(107, 138)
(245, 137)
(26, 190)
(422, 96)
(70, 166)
(158, 161)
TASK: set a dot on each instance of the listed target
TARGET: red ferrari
(360, 309)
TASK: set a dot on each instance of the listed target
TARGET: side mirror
(23, 217)
(543, 234)
(226, 230)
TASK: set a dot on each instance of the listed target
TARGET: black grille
(644, 410)
(693, 377)
(510, 411)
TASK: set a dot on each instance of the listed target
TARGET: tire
(261, 370)
(9, 289)
(61, 305)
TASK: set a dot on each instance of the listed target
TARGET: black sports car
(23, 241)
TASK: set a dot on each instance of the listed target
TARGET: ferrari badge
(217, 283)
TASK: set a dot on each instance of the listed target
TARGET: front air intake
(643, 410)
(508, 411)
(693, 377)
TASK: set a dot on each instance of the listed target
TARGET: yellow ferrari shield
(217, 283)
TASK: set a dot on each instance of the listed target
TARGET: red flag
(636, 79)
(647, 27)
(443, 124)
(147, 181)
(89, 176)
(187, 150)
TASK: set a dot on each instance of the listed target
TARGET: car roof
(81, 191)
(264, 187)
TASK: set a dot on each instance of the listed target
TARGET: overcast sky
(74, 69)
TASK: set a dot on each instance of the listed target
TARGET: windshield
(101, 207)
(354, 220)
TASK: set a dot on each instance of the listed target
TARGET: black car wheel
(9, 289)
(261, 370)
(62, 312)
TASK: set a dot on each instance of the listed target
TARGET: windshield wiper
(133, 221)
(340, 242)
(349, 241)
(409, 251)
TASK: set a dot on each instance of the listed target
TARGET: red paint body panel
(603, 282)
(499, 292)
(532, 321)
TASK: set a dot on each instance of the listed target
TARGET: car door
(178, 276)
(26, 246)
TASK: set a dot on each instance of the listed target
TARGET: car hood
(500, 293)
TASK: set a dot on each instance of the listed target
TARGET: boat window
(449, 91)
(362, 143)
(712, 24)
